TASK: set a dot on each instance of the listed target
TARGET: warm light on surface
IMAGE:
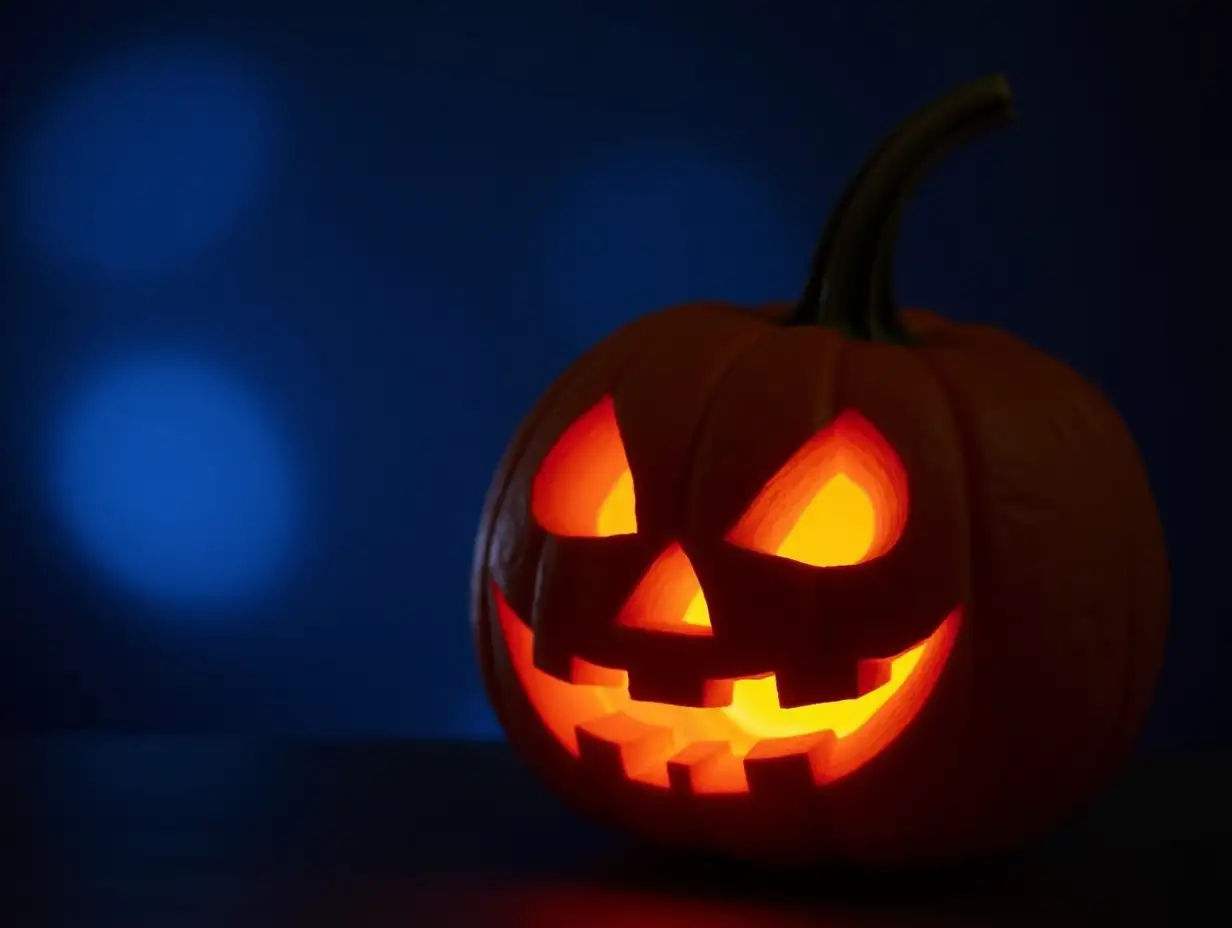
(711, 743)
(584, 488)
(840, 500)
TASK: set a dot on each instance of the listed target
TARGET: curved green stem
(851, 280)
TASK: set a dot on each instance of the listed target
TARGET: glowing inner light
(697, 613)
(755, 705)
(669, 598)
(617, 515)
(862, 725)
(837, 527)
(840, 500)
(584, 487)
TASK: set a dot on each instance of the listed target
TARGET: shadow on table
(191, 833)
(1090, 873)
(637, 886)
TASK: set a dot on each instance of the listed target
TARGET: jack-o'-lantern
(828, 579)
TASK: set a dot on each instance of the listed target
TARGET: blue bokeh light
(144, 162)
(659, 224)
(168, 477)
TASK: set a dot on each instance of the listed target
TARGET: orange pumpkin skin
(1028, 510)
(1042, 526)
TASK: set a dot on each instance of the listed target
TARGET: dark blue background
(279, 280)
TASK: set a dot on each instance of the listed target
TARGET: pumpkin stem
(851, 280)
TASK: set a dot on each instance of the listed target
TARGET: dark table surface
(181, 832)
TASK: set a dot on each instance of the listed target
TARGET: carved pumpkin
(828, 579)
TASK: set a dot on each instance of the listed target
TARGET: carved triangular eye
(840, 500)
(584, 487)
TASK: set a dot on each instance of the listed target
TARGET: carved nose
(669, 598)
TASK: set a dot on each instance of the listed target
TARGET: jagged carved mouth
(746, 744)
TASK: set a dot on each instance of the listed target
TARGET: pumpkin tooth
(874, 673)
(782, 765)
(621, 744)
(671, 688)
(552, 658)
(706, 767)
(584, 673)
(808, 686)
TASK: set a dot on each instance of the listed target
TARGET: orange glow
(707, 748)
(840, 500)
(584, 488)
(669, 598)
